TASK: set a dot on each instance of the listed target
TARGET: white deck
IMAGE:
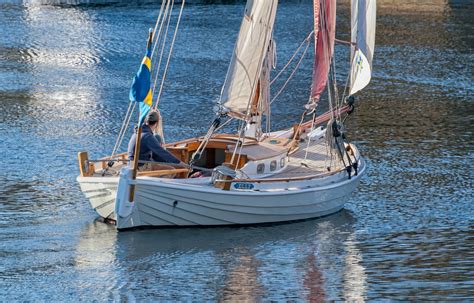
(312, 159)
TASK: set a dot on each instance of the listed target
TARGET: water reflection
(64, 78)
(247, 263)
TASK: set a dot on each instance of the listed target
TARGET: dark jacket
(150, 148)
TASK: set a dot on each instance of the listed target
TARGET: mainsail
(363, 38)
(248, 57)
(324, 31)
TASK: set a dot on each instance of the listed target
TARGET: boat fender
(123, 207)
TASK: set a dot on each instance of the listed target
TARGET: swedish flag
(141, 86)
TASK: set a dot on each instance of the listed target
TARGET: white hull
(188, 202)
(101, 193)
(171, 205)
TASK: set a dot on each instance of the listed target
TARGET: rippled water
(406, 234)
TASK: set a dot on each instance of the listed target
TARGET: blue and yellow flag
(141, 87)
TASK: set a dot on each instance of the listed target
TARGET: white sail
(251, 48)
(363, 38)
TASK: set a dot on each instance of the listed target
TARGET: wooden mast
(138, 141)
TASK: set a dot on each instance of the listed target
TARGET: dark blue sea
(406, 234)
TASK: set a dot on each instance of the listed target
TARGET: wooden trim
(216, 138)
(242, 161)
(156, 173)
(285, 179)
(135, 163)
(86, 169)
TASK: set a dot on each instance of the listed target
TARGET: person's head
(152, 119)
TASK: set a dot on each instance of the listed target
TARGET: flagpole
(138, 141)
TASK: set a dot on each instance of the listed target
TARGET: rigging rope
(163, 40)
(160, 14)
(307, 39)
(164, 14)
(123, 129)
(292, 73)
(170, 53)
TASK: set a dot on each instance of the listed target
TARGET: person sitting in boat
(150, 147)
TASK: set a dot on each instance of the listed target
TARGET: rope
(309, 138)
(114, 150)
(159, 41)
(268, 35)
(125, 123)
(291, 75)
(156, 26)
(166, 19)
(307, 39)
(128, 123)
(170, 53)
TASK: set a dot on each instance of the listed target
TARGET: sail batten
(363, 16)
(248, 57)
(325, 30)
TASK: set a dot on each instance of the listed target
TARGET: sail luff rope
(170, 53)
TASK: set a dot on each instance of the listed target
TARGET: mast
(325, 30)
(241, 92)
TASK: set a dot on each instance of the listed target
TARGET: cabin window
(282, 162)
(273, 165)
(261, 168)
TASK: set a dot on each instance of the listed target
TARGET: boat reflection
(315, 260)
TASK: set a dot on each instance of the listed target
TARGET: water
(406, 234)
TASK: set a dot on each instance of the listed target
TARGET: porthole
(282, 162)
(273, 165)
(261, 168)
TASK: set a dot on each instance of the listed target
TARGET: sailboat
(254, 175)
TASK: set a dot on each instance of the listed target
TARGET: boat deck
(312, 159)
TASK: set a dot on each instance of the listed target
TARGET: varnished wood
(225, 183)
(234, 165)
(256, 98)
(161, 172)
(135, 164)
(86, 169)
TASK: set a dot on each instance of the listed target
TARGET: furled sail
(325, 30)
(249, 53)
(363, 38)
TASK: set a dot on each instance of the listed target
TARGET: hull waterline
(167, 202)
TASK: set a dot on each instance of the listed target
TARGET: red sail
(325, 31)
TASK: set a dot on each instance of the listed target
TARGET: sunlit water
(406, 234)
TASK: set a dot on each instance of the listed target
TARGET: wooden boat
(253, 176)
